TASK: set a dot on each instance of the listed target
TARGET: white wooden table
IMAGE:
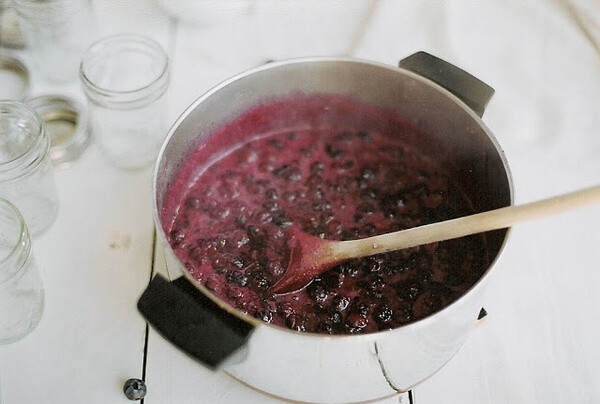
(539, 343)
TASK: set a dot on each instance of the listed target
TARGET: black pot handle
(472, 91)
(193, 322)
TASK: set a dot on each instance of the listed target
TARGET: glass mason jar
(26, 172)
(57, 32)
(125, 78)
(21, 290)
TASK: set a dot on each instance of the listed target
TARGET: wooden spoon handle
(464, 226)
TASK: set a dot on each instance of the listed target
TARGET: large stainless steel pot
(312, 367)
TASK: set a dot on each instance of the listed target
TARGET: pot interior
(477, 161)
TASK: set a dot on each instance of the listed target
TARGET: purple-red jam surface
(338, 169)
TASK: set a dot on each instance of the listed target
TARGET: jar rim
(28, 155)
(100, 46)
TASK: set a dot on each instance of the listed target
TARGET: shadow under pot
(342, 148)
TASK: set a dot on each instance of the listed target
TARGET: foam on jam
(338, 169)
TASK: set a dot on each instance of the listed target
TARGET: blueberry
(252, 231)
(422, 176)
(430, 302)
(327, 216)
(307, 152)
(453, 279)
(241, 220)
(324, 327)
(359, 218)
(226, 261)
(360, 307)
(265, 217)
(432, 200)
(234, 292)
(367, 173)
(331, 280)
(281, 170)
(403, 316)
(340, 302)
(316, 193)
(389, 210)
(332, 151)
(396, 266)
(276, 143)
(317, 167)
(264, 167)
(321, 206)
(317, 291)
(176, 236)
(296, 322)
(369, 194)
(373, 264)
(289, 196)
(366, 208)
(364, 136)
(362, 183)
(208, 246)
(399, 151)
(275, 268)
(279, 218)
(192, 203)
(383, 314)
(237, 278)
(376, 281)
(314, 180)
(293, 176)
(343, 137)
(319, 309)
(356, 321)
(285, 309)
(260, 281)
(240, 239)
(335, 318)
(342, 183)
(334, 228)
(408, 290)
(271, 205)
(423, 276)
(271, 193)
(349, 269)
(265, 315)
(134, 389)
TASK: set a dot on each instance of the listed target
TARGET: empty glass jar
(125, 78)
(57, 32)
(21, 290)
(26, 172)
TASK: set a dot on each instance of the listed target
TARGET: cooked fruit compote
(337, 169)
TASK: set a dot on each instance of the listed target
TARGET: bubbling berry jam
(337, 169)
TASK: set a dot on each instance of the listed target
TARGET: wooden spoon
(311, 256)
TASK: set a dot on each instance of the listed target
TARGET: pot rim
(327, 59)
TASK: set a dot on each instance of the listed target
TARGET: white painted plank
(94, 262)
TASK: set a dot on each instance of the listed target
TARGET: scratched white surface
(539, 342)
